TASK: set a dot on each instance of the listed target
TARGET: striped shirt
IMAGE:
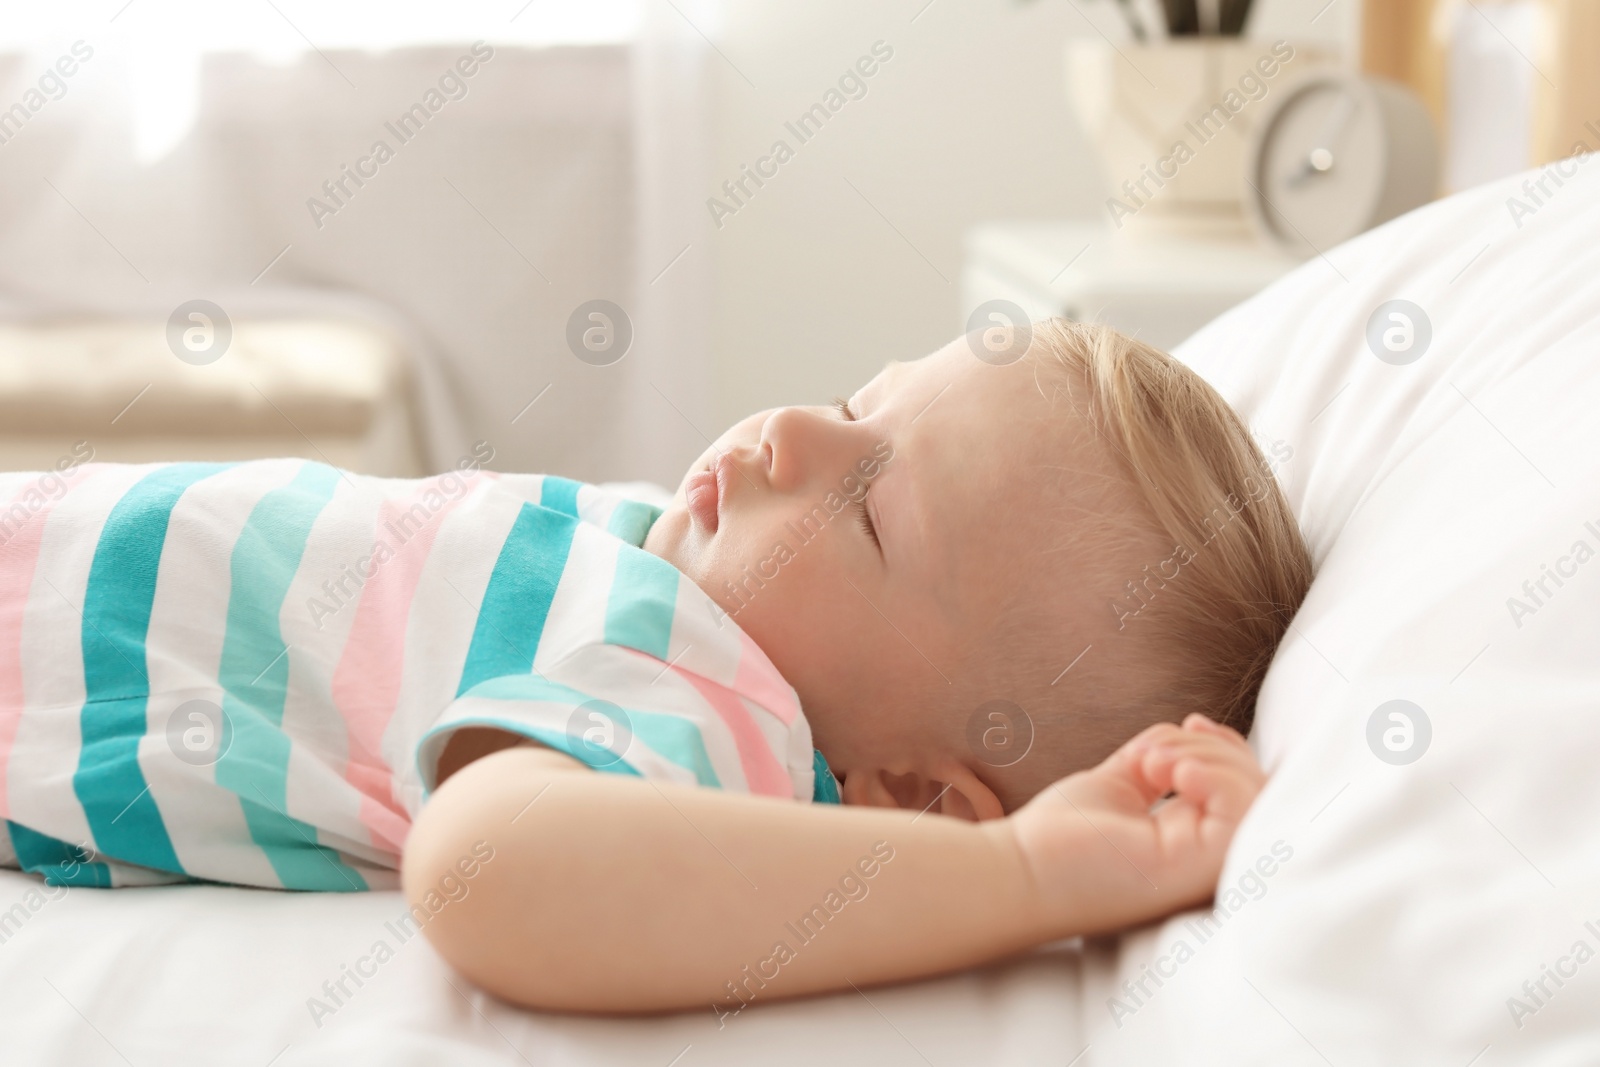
(245, 673)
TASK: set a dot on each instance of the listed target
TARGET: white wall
(967, 123)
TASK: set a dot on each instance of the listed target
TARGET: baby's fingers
(1162, 755)
(1198, 722)
(1127, 764)
(1196, 728)
(1222, 791)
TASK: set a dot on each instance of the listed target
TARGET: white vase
(1171, 120)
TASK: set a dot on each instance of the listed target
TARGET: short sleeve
(623, 711)
(638, 671)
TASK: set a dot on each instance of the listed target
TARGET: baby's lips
(700, 497)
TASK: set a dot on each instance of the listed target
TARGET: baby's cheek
(778, 578)
(789, 601)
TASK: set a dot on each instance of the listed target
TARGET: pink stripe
(759, 680)
(762, 771)
(19, 557)
(366, 684)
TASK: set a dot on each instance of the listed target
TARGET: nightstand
(1159, 285)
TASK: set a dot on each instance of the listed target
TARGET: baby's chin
(670, 533)
(676, 538)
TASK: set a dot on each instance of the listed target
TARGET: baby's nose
(805, 445)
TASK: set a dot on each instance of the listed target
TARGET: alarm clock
(1337, 153)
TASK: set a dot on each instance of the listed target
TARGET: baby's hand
(1099, 852)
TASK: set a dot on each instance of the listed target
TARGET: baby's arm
(614, 894)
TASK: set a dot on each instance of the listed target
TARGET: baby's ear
(968, 797)
(878, 788)
(953, 790)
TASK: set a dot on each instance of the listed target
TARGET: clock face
(1318, 171)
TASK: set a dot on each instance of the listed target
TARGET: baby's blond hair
(1198, 624)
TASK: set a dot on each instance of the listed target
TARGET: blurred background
(379, 235)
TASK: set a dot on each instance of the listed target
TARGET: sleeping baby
(970, 651)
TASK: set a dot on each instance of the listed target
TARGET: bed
(1416, 890)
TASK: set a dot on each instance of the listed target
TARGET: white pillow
(1417, 898)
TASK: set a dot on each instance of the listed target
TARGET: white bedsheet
(211, 976)
(1416, 900)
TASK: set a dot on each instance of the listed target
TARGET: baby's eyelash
(863, 516)
(865, 520)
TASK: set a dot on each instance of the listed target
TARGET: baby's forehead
(1016, 429)
(1009, 469)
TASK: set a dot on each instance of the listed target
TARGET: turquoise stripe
(826, 789)
(644, 598)
(554, 739)
(512, 687)
(254, 675)
(679, 740)
(560, 494)
(632, 520)
(517, 601)
(59, 862)
(123, 816)
(670, 736)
